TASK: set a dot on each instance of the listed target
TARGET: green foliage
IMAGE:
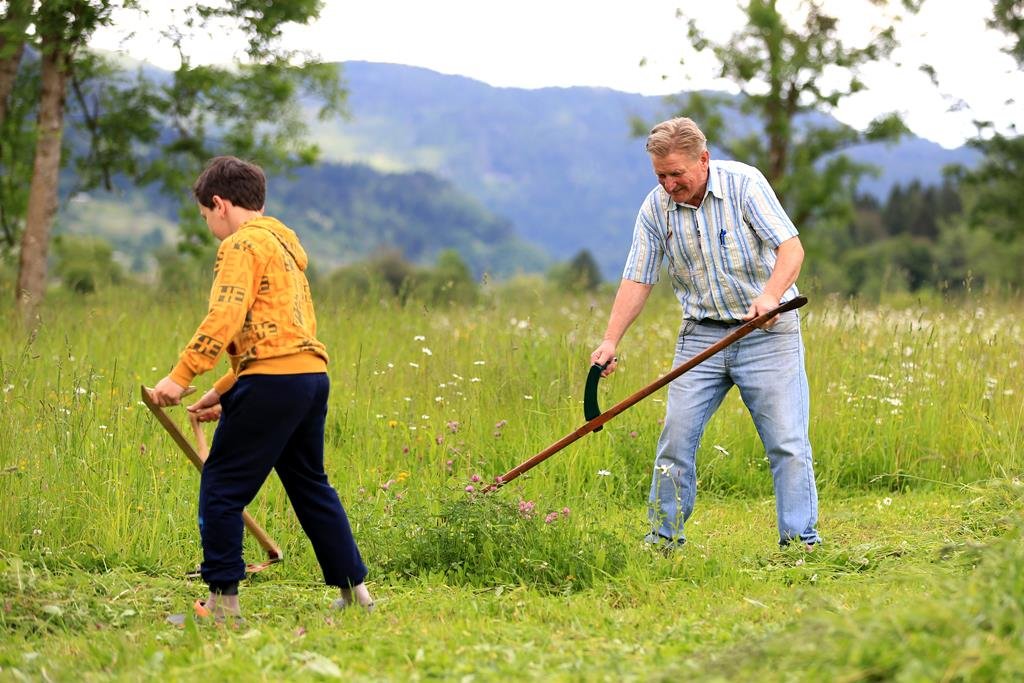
(86, 264)
(1008, 16)
(147, 129)
(488, 540)
(581, 274)
(781, 71)
(995, 202)
(389, 275)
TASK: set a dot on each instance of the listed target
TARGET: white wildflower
(603, 473)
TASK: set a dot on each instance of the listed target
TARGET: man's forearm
(629, 301)
(789, 257)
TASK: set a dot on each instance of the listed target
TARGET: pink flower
(550, 517)
(439, 439)
(565, 512)
(632, 435)
(453, 426)
(526, 508)
(500, 423)
(469, 488)
(475, 478)
(386, 485)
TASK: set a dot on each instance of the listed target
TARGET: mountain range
(513, 178)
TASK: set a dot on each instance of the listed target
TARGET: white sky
(539, 43)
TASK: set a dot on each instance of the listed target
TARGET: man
(733, 254)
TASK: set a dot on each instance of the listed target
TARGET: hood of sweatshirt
(285, 235)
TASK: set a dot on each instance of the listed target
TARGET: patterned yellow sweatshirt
(261, 311)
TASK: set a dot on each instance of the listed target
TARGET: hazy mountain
(511, 177)
(559, 163)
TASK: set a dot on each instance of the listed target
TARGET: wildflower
(479, 362)
(565, 512)
(453, 426)
(887, 501)
(413, 365)
(526, 508)
(37, 532)
(402, 476)
(8, 388)
(604, 473)
(664, 469)
(474, 379)
(500, 423)
(103, 427)
(439, 399)
(392, 423)
(633, 434)
(427, 352)
(469, 488)
(424, 417)
(391, 365)
(550, 517)
(528, 397)
(448, 465)
(80, 390)
(475, 478)
(419, 337)
(386, 485)
(439, 439)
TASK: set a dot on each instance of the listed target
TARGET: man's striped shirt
(721, 254)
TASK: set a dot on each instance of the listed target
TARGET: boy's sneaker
(360, 595)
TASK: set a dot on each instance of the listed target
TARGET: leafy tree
(580, 274)
(157, 132)
(786, 73)
(85, 264)
(993, 189)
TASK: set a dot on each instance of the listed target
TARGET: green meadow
(917, 424)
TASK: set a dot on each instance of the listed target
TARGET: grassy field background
(917, 424)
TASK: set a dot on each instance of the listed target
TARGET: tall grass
(424, 401)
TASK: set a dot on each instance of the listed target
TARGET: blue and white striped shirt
(719, 255)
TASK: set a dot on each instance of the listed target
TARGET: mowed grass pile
(917, 427)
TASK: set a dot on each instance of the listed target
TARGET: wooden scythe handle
(197, 458)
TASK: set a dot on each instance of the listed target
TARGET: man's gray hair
(676, 135)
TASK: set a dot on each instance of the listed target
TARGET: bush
(85, 264)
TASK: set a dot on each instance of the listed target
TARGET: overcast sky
(540, 43)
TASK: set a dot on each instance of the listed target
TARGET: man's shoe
(663, 543)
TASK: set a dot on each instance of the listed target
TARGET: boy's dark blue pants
(273, 422)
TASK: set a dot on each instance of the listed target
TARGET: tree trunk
(42, 197)
(12, 46)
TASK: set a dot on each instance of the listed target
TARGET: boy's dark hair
(241, 183)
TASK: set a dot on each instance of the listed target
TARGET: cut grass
(730, 604)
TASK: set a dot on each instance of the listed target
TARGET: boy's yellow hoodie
(261, 311)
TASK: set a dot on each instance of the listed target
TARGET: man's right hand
(605, 353)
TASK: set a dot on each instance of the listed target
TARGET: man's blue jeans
(768, 367)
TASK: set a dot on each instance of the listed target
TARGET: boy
(272, 403)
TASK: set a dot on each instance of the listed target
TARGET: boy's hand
(207, 408)
(167, 392)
